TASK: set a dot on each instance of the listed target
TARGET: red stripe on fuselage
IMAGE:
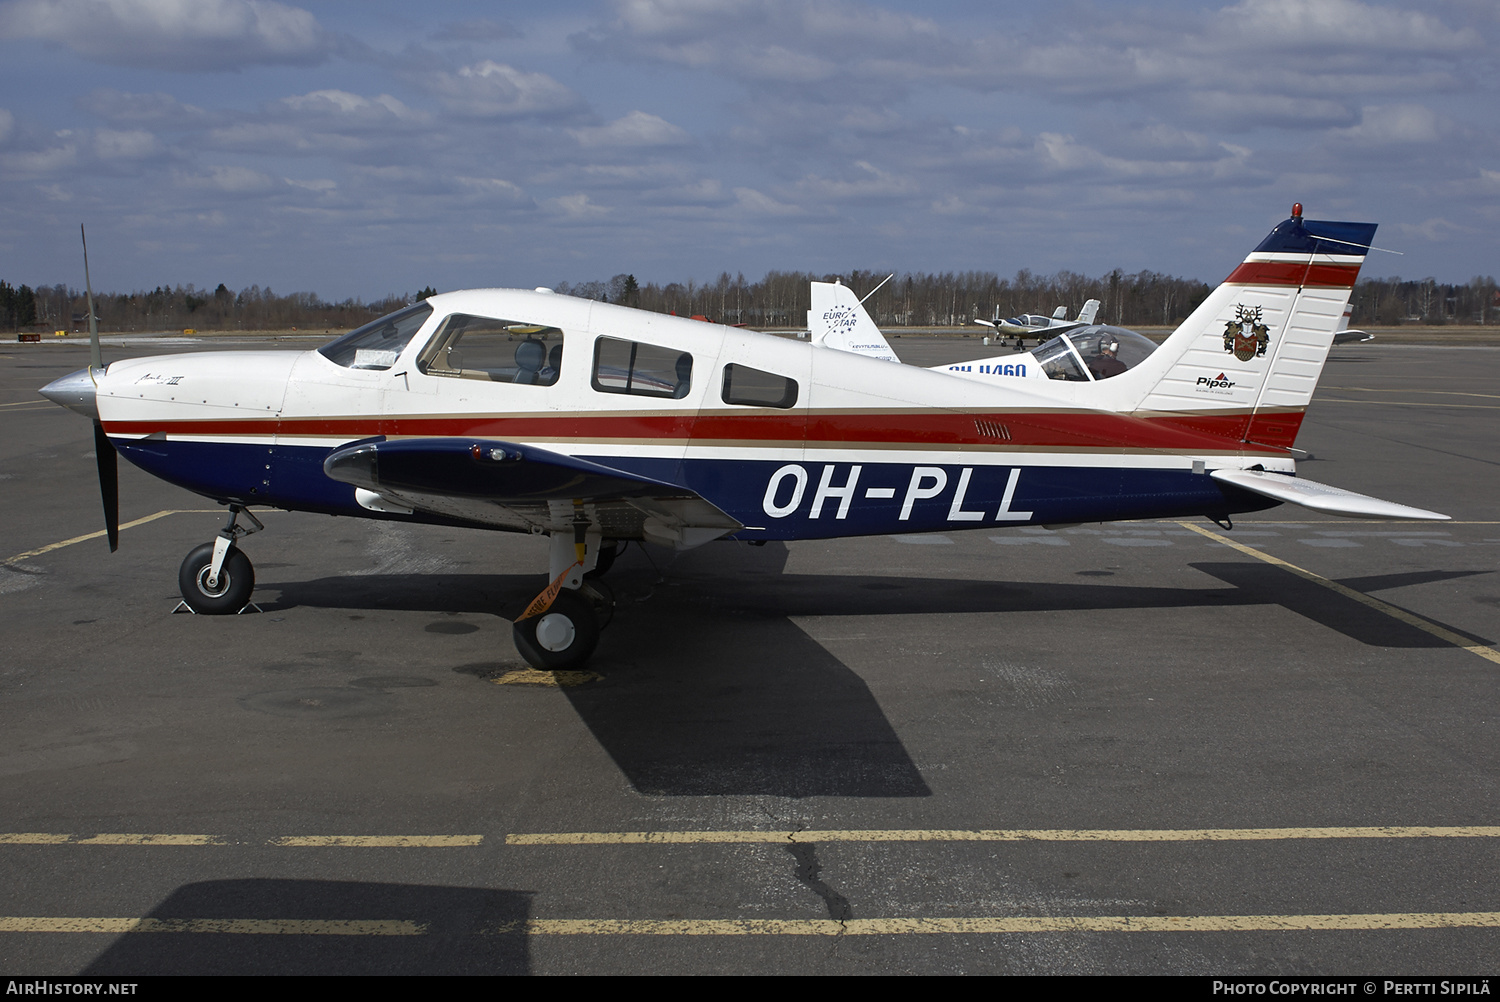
(1090, 430)
(1338, 276)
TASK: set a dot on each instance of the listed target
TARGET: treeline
(919, 299)
(1386, 302)
(165, 308)
(780, 299)
(911, 299)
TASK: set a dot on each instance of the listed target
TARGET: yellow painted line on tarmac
(1002, 835)
(1314, 522)
(237, 927)
(79, 539)
(530, 676)
(127, 525)
(125, 838)
(1412, 403)
(994, 925)
(729, 837)
(1410, 619)
(1405, 389)
(293, 841)
(379, 841)
(897, 926)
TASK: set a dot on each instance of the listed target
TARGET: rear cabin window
(641, 369)
(500, 351)
(377, 344)
(756, 388)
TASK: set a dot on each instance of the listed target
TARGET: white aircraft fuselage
(534, 412)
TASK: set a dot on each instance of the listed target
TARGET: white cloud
(479, 29)
(636, 129)
(1394, 124)
(188, 35)
(350, 108)
(154, 108)
(318, 185)
(494, 188)
(496, 90)
(577, 207)
(761, 204)
(7, 122)
(46, 161)
(134, 144)
(283, 137)
(1303, 24)
(230, 180)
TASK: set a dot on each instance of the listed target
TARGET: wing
(522, 487)
(1320, 497)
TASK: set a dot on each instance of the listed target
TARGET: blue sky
(362, 148)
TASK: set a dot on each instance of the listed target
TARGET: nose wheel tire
(562, 637)
(225, 597)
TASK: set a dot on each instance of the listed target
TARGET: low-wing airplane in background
(594, 424)
(1035, 323)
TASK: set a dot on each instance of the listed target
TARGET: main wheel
(236, 582)
(562, 637)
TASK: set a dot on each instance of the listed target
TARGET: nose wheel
(216, 579)
(223, 594)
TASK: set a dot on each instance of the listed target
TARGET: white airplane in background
(1035, 323)
(1346, 336)
(591, 423)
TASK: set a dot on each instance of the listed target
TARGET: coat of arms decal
(1245, 336)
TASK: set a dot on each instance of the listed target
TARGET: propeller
(104, 452)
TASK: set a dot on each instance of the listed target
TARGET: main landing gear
(216, 579)
(565, 632)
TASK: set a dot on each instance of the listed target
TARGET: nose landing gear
(216, 579)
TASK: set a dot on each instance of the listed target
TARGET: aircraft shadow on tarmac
(464, 930)
(710, 688)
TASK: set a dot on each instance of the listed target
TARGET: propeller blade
(96, 361)
(109, 484)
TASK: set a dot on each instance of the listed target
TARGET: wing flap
(1320, 497)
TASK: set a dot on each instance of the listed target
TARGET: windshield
(1058, 361)
(377, 344)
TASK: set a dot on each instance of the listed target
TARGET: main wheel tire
(562, 637)
(236, 582)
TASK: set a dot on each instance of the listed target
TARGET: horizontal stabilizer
(1320, 497)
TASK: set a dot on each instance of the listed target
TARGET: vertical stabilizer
(1253, 351)
(838, 321)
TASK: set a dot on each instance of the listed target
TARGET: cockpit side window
(500, 351)
(756, 388)
(377, 344)
(641, 369)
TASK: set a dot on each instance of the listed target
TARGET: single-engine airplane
(1035, 323)
(592, 423)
